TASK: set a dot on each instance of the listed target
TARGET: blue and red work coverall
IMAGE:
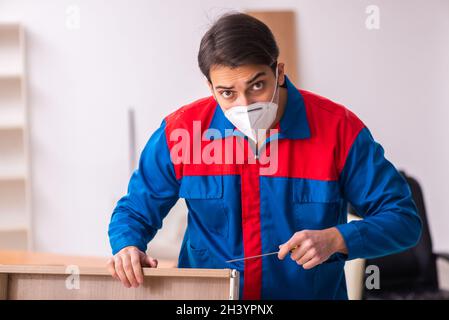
(326, 157)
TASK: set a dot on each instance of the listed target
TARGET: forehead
(227, 76)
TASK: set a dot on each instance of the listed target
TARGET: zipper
(257, 149)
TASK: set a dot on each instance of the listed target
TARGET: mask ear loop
(277, 85)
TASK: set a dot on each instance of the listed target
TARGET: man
(263, 167)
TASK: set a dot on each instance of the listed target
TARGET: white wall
(143, 54)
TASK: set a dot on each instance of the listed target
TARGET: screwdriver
(259, 256)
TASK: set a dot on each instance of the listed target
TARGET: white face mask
(254, 117)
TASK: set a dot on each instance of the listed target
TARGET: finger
(154, 263)
(111, 268)
(283, 251)
(120, 272)
(150, 262)
(127, 266)
(291, 244)
(300, 251)
(284, 247)
(311, 263)
(146, 260)
(137, 268)
(309, 255)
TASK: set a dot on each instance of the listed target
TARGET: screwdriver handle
(295, 247)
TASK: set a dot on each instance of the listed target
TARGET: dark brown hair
(237, 39)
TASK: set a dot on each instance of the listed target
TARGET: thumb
(283, 251)
(147, 261)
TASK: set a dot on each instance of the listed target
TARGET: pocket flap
(305, 190)
(201, 187)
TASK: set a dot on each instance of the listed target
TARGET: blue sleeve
(381, 195)
(152, 192)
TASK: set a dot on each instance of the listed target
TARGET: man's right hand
(126, 266)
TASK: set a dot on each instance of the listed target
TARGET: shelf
(14, 174)
(10, 25)
(12, 121)
(11, 125)
(14, 229)
(11, 76)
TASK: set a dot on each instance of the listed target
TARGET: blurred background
(84, 83)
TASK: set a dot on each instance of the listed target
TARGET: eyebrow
(262, 73)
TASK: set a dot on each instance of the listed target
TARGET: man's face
(243, 85)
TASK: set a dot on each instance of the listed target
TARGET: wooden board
(69, 283)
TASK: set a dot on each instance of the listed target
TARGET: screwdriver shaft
(252, 257)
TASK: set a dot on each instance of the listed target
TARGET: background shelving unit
(15, 213)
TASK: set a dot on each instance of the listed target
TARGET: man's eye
(258, 86)
(226, 94)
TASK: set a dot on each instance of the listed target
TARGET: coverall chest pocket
(204, 198)
(316, 204)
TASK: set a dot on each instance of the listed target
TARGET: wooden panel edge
(164, 272)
